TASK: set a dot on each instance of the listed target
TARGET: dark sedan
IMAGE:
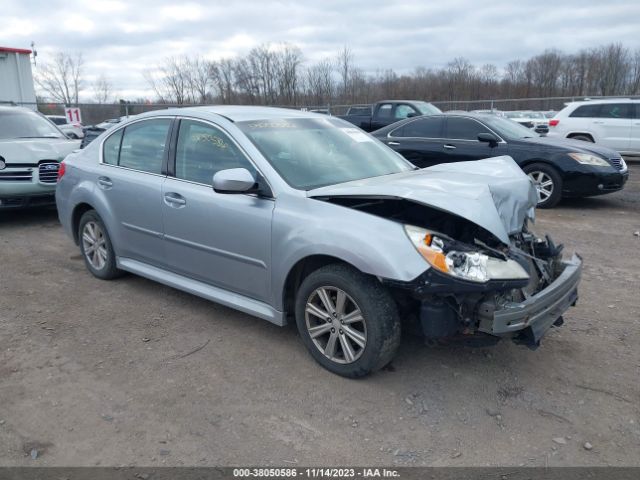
(559, 168)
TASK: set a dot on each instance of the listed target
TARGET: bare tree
(345, 64)
(61, 79)
(102, 90)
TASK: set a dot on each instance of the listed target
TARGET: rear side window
(459, 128)
(586, 111)
(143, 145)
(429, 127)
(111, 148)
(204, 150)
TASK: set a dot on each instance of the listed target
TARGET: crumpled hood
(32, 150)
(494, 193)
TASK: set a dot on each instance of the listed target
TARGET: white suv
(613, 123)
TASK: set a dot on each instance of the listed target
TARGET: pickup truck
(387, 112)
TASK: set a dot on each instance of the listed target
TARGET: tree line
(277, 74)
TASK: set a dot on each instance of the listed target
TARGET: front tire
(96, 247)
(548, 184)
(347, 320)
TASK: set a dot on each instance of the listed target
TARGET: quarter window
(459, 128)
(143, 145)
(204, 150)
(422, 128)
(111, 148)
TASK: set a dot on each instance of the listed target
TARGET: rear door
(130, 179)
(613, 125)
(220, 239)
(461, 140)
(420, 141)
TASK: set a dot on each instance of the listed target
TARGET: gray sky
(123, 38)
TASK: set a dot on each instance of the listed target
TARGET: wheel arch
(302, 269)
(79, 210)
(581, 133)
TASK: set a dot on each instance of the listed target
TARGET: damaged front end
(480, 292)
(488, 276)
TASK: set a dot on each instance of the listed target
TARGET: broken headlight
(468, 264)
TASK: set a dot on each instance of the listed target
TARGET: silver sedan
(294, 215)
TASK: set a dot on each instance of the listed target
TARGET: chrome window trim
(500, 139)
(122, 127)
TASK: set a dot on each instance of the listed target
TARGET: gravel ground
(130, 372)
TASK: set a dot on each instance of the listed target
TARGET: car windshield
(26, 124)
(310, 153)
(508, 129)
(426, 108)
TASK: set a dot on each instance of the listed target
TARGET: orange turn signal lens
(436, 259)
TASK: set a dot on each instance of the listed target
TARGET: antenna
(34, 52)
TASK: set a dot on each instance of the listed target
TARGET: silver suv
(285, 214)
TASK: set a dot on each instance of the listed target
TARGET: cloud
(122, 39)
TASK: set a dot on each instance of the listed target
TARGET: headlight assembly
(587, 159)
(467, 265)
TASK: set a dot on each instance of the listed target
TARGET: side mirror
(412, 114)
(234, 180)
(489, 138)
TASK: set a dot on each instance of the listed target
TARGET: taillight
(61, 170)
(553, 122)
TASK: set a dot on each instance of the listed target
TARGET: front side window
(204, 150)
(459, 128)
(143, 145)
(404, 111)
(429, 127)
(309, 153)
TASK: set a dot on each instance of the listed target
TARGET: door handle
(393, 143)
(174, 200)
(598, 122)
(105, 182)
(449, 147)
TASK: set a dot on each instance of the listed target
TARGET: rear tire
(96, 247)
(548, 184)
(329, 304)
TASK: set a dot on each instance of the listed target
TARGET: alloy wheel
(94, 245)
(335, 324)
(544, 185)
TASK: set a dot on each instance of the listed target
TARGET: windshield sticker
(276, 124)
(357, 135)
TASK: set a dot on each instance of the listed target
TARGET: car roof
(13, 108)
(236, 113)
(605, 100)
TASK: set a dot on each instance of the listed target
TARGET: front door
(461, 142)
(220, 239)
